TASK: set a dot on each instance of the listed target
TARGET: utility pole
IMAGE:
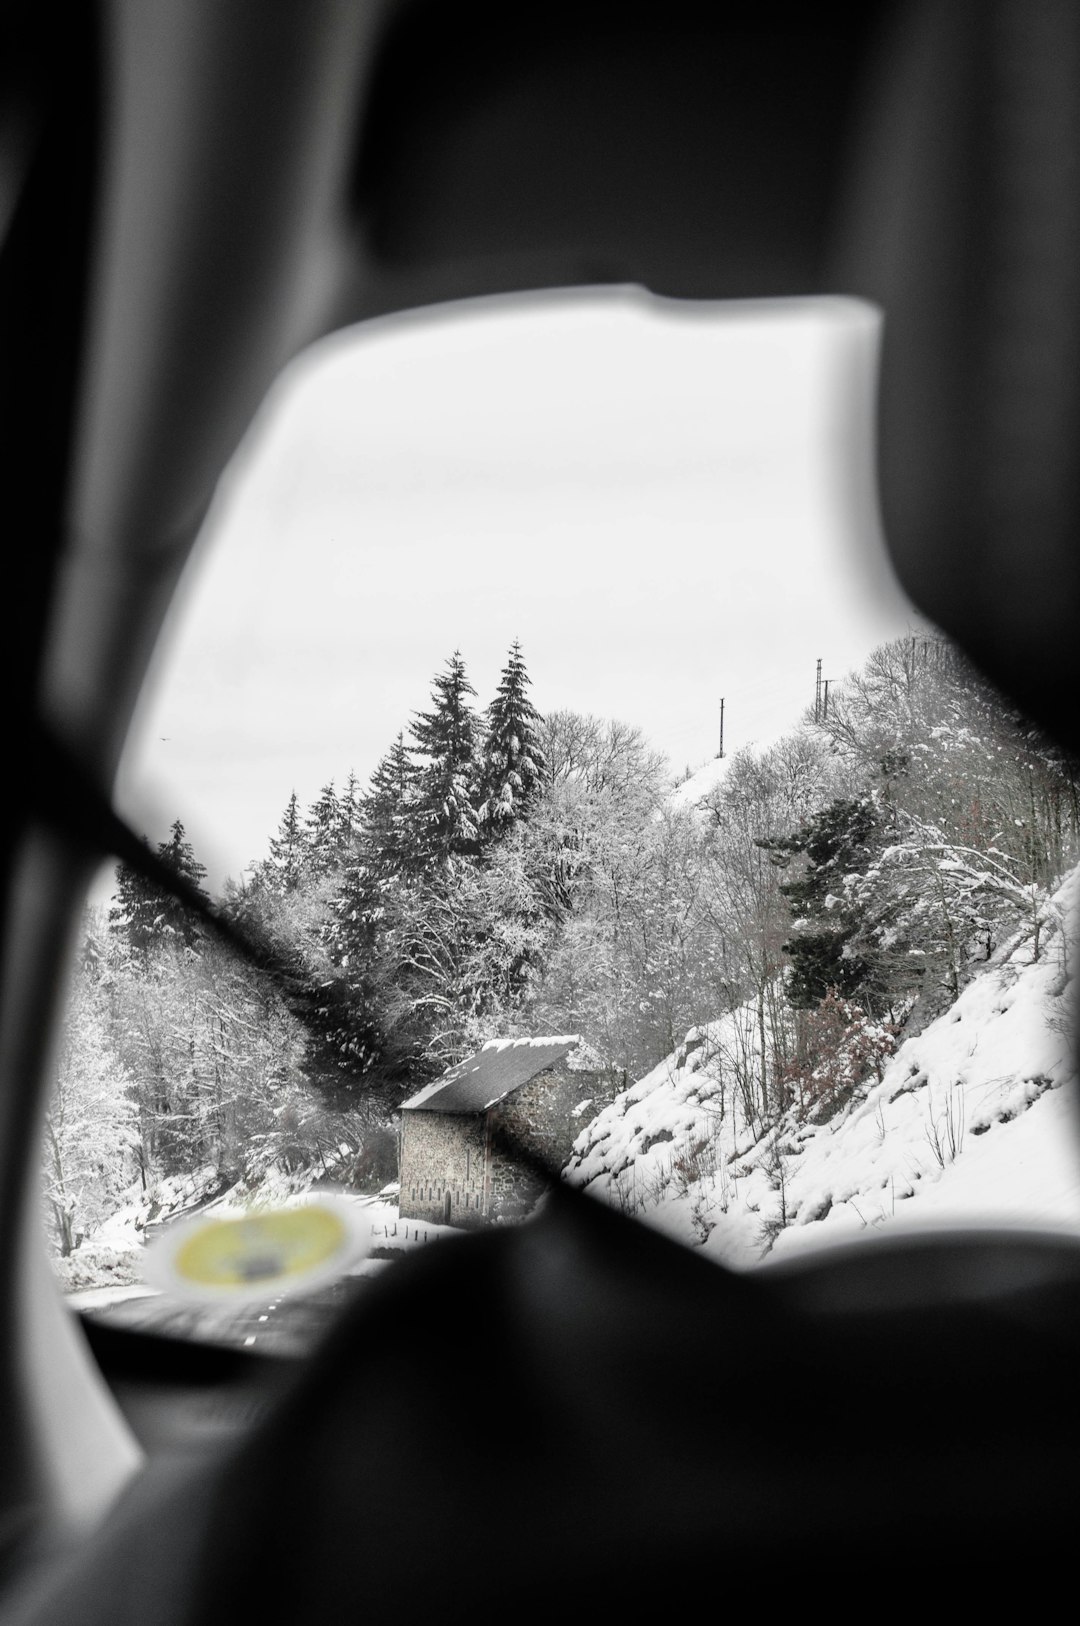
(817, 694)
(720, 753)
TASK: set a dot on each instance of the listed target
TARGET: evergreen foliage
(348, 816)
(360, 1045)
(512, 761)
(284, 868)
(388, 815)
(323, 832)
(444, 820)
(838, 842)
(146, 915)
(830, 893)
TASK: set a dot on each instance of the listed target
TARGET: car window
(539, 695)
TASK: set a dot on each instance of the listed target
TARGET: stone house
(452, 1169)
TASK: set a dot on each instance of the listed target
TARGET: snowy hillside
(691, 791)
(973, 1119)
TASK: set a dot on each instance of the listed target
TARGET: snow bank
(692, 791)
(101, 1265)
(974, 1120)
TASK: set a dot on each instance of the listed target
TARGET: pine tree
(348, 819)
(134, 908)
(285, 866)
(147, 914)
(178, 854)
(828, 949)
(445, 820)
(351, 1045)
(322, 831)
(388, 812)
(513, 757)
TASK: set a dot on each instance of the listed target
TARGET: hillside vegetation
(919, 1138)
(805, 912)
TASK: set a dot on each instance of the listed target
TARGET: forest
(507, 873)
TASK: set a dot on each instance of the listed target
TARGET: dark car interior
(576, 1411)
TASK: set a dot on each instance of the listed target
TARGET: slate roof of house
(491, 1074)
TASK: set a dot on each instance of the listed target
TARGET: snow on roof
(491, 1074)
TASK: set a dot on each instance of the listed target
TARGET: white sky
(660, 500)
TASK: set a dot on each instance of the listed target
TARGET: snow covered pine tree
(149, 916)
(512, 761)
(446, 825)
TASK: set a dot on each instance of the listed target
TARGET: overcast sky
(659, 500)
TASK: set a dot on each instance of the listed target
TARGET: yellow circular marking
(270, 1247)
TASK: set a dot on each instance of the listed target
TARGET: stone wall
(442, 1168)
(541, 1115)
(452, 1174)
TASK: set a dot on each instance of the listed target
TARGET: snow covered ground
(974, 1121)
(692, 791)
(286, 1322)
(108, 1269)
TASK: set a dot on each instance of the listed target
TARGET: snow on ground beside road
(391, 1233)
(109, 1266)
(974, 1120)
(100, 1298)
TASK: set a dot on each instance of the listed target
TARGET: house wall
(448, 1155)
(442, 1155)
(540, 1115)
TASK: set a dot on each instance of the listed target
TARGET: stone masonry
(452, 1170)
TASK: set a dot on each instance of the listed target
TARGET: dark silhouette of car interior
(573, 1411)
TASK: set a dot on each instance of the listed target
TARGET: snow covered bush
(90, 1127)
(98, 1265)
(838, 1047)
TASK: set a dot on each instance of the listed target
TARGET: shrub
(837, 1048)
